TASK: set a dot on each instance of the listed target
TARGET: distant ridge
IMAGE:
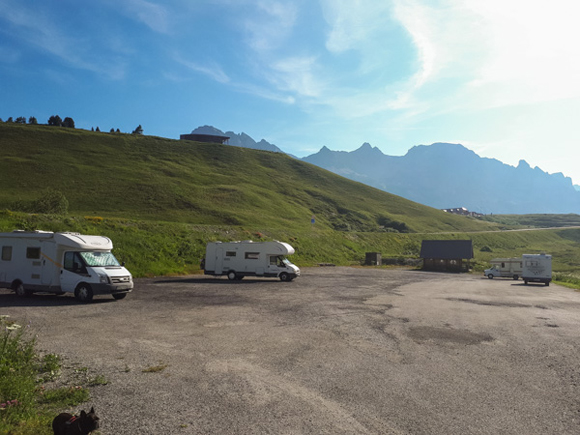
(445, 175)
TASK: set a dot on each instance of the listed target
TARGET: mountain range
(238, 140)
(443, 175)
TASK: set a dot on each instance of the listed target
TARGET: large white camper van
(43, 261)
(537, 268)
(247, 258)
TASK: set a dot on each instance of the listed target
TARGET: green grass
(26, 406)
(162, 200)
(148, 178)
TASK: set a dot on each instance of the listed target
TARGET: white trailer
(247, 258)
(537, 268)
(43, 261)
(505, 267)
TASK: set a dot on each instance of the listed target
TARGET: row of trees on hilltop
(57, 121)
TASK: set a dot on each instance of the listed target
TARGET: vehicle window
(252, 255)
(33, 253)
(6, 253)
(99, 259)
(74, 263)
(230, 253)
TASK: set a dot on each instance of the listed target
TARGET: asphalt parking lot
(336, 351)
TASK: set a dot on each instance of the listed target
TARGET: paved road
(337, 351)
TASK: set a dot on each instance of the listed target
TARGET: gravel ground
(336, 351)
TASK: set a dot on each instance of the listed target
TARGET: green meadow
(161, 200)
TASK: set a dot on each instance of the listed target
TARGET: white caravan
(537, 268)
(505, 267)
(247, 258)
(43, 261)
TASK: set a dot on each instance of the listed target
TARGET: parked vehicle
(247, 258)
(43, 261)
(537, 268)
(504, 267)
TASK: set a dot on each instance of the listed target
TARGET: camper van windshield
(283, 261)
(99, 259)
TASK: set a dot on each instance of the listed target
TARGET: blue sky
(501, 77)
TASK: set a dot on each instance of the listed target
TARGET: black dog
(68, 424)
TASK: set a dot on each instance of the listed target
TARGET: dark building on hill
(446, 255)
(208, 138)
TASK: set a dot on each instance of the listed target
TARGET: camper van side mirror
(123, 264)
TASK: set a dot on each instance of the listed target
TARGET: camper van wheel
(84, 293)
(516, 277)
(232, 275)
(21, 291)
(490, 276)
(547, 283)
(284, 277)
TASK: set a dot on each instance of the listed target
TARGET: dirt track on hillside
(338, 350)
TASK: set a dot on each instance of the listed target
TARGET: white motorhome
(505, 267)
(247, 258)
(537, 268)
(43, 261)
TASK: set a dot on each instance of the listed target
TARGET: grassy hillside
(162, 200)
(144, 177)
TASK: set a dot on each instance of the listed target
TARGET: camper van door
(47, 258)
(72, 271)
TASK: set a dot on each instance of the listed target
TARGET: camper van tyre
(232, 275)
(119, 296)
(84, 293)
(490, 276)
(21, 291)
(516, 277)
(285, 277)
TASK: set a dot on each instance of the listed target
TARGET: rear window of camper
(230, 253)
(33, 253)
(6, 253)
(252, 255)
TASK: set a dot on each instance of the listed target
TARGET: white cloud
(269, 24)
(295, 74)
(153, 15)
(354, 24)
(498, 52)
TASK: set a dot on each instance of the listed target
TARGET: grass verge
(27, 407)
(570, 280)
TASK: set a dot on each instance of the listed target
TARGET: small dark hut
(209, 138)
(446, 255)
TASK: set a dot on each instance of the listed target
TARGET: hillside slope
(145, 177)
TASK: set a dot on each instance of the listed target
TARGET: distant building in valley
(462, 211)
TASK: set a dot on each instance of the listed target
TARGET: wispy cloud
(210, 69)
(41, 31)
(269, 24)
(153, 15)
(355, 24)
